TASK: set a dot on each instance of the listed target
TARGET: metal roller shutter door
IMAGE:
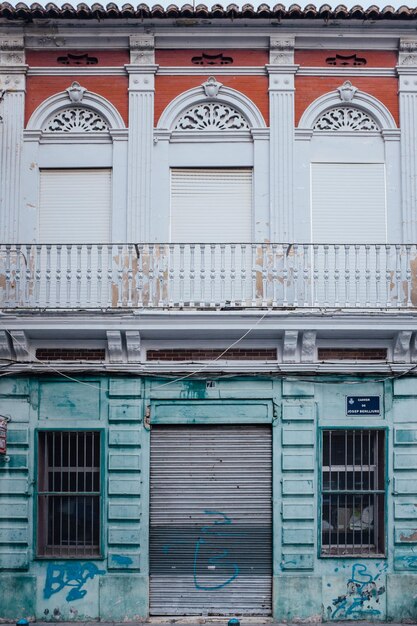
(211, 520)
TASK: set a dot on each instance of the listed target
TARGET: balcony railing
(208, 276)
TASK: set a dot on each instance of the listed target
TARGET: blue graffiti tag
(219, 559)
(73, 575)
(361, 587)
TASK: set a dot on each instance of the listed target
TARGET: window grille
(353, 493)
(69, 494)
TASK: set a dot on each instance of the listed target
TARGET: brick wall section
(48, 58)
(308, 88)
(352, 354)
(70, 354)
(114, 88)
(169, 87)
(374, 58)
(182, 58)
(202, 354)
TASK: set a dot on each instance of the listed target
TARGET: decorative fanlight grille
(346, 118)
(212, 116)
(76, 120)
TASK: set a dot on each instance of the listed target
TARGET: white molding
(133, 346)
(308, 346)
(12, 108)
(290, 346)
(414, 348)
(401, 349)
(360, 99)
(226, 95)
(5, 345)
(21, 345)
(347, 72)
(76, 71)
(232, 70)
(201, 137)
(61, 100)
(114, 346)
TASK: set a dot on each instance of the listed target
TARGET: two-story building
(208, 339)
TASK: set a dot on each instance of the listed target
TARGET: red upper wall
(169, 87)
(74, 58)
(211, 58)
(343, 58)
(308, 88)
(114, 88)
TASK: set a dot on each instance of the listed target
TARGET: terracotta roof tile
(217, 11)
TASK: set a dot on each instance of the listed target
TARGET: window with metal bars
(353, 493)
(68, 494)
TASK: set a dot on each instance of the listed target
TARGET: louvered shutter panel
(348, 203)
(211, 205)
(75, 206)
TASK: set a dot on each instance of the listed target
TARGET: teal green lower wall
(115, 587)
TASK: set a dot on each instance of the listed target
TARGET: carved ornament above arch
(75, 107)
(363, 107)
(226, 106)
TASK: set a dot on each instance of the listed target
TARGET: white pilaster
(407, 71)
(12, 102)
(281, 101)
(141, 120)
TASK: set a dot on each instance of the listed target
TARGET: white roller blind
(211, 205)
(348, 203)
(75, 206)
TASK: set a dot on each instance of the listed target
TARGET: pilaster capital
(408, 80)
(141, 81)
(281, 50)
(11, 51)
(12, 83)
(142, 49)
(408, 52)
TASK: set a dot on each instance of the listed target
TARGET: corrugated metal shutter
(75, 206)
(210, 520)
(211, 205)
(348, 203)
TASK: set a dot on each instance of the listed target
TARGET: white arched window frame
(100, 144)
(380, 145)
(211, 147)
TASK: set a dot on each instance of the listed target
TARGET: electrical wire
(46, 363)
(201, 369)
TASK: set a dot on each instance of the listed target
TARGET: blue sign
(363, 405)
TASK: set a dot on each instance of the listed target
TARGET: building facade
(208, 312)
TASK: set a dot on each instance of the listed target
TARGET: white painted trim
(61, 100)
(347, 72)
(76, 71)
(226, 95)
(232, 70)
(361, 100)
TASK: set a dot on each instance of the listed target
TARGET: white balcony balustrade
(208, 276)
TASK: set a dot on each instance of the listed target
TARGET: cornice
(77, 71)
(282, 69)
(347, 72)
(213, 69)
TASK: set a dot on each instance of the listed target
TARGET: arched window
(210, 158)
(75, 147)
(347, 155)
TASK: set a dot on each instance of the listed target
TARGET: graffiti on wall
(72, 575)
(216, 557)
(213, 565)
(362, 593)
